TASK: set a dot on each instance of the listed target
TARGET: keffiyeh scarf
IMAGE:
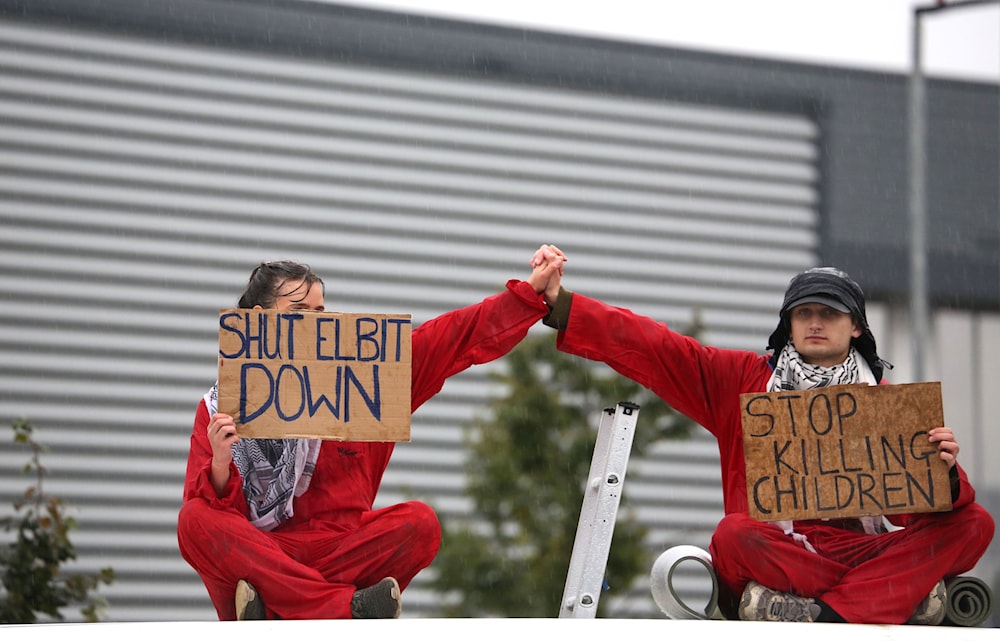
(792, 373)
(274, 471)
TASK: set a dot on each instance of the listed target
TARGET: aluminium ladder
(601, 497)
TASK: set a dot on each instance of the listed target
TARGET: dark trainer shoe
(380, 601)
(249, 606)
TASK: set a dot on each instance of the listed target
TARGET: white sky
(867, 34)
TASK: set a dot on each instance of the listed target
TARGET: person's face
(298, 295)
(821, 334)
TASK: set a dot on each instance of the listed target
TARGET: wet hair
(267, 279)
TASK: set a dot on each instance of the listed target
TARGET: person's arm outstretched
(483, 332)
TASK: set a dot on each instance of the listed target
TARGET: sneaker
(932, 609)
(249, 606)
(380, 601)
(764, 604)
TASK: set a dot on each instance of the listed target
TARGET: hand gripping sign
(844, 451)
(301, 374)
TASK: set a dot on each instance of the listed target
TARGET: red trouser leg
(864, 578)
(745, 549)
(887, 583)
(305, 573)
(397, 541)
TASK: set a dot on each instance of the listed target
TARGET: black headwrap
(836, 289)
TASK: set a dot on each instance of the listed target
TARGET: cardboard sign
(301, 374)
(844, 451)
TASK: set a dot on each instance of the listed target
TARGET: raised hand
(547, 270)
(547, 253)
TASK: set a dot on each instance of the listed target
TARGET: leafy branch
(32, 583)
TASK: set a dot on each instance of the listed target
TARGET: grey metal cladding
(142, 180)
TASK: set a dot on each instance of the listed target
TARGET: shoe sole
(247, 603)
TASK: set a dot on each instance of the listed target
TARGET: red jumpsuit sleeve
(695, 379)
(966, 493)
(197, 480)
(480, 333)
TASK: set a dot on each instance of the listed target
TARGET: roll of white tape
(661, 582)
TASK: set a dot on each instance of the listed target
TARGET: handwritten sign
(301, 374)
(844, 451)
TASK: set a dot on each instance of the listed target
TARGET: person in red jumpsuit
(285, 528)
(854, 570)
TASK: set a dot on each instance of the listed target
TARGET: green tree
(32, 583)
(530, 458)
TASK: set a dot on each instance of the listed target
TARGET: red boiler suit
(311, 564)
(865, 578)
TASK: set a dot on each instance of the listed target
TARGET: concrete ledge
(465, 629)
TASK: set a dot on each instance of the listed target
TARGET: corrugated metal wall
(141, 181)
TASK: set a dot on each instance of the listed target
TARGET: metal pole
(919, 308)
(919, 289)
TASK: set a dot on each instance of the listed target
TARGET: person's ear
(857, 332)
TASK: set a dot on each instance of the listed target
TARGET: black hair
(267, 279)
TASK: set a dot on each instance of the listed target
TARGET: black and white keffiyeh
(274, 471)
(792, 373)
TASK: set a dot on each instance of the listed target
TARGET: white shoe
(764, 604)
